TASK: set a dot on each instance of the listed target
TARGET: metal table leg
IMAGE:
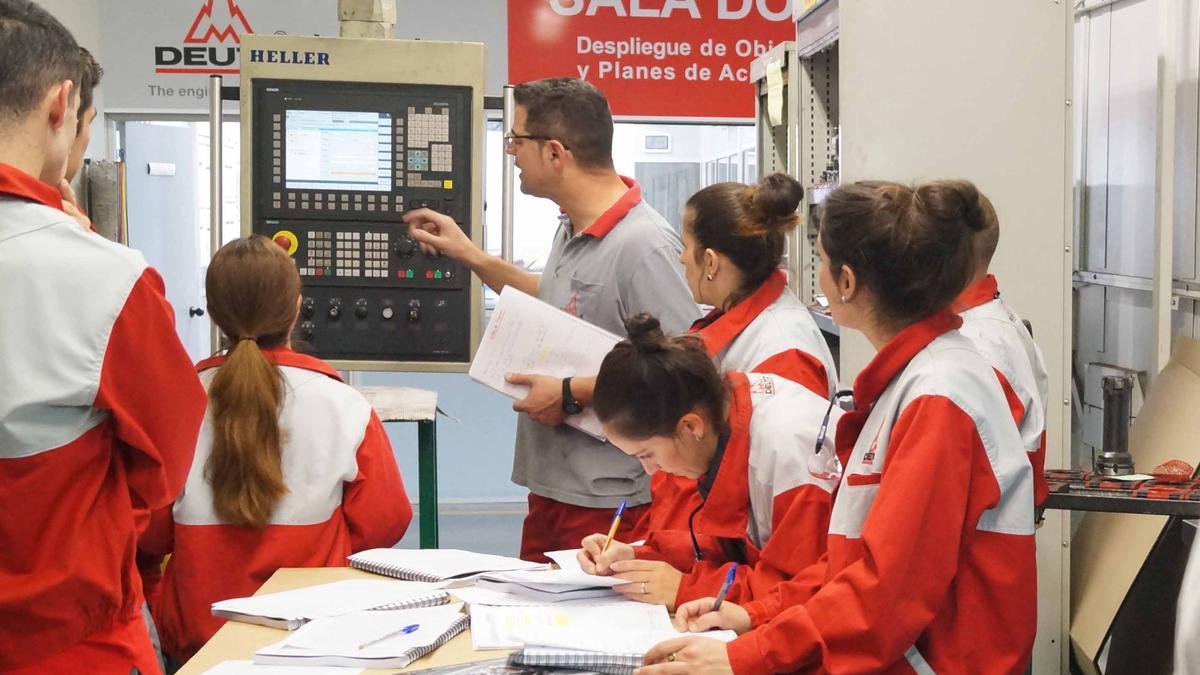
(427, 479)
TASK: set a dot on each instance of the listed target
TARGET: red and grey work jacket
(99, 408)
(769, 500)
(930, 564)
(345, 494)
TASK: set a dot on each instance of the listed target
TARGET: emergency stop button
(287, 241)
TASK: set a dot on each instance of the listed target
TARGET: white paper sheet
(474, 595)
(339, 597)
(372, 639)
(611, 641)
(566, 560)
(443, 563)
(511, 627)
(527, 335)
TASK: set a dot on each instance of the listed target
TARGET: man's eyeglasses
(510, 140)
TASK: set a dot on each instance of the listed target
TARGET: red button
(320, 272)
(428, 274)
(284, 242)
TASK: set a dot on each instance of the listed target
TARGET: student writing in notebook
(930, 564)
(734, 237)
(612, 257)
(292, 469)
(747, 442)
(99, 403)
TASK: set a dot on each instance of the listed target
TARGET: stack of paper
(379, 639)
(551, 585)
(527, 335)
(291, 609)
(435, 565)
(509, 627)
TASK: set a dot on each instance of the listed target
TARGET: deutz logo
(211, 44)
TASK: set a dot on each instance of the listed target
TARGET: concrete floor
(482, 527)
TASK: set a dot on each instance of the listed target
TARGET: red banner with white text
(651, 58)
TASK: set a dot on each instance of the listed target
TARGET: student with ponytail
(930, 564)
(293, 468)
(734, 237)
(751, 445)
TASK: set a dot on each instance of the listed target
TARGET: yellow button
(447, 185)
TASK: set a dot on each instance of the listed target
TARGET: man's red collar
(979, 293)
(615, 213)
(16, 183)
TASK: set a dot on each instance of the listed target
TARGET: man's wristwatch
(569, 404)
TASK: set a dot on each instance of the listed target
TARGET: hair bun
(959, 200)
(775, 200)
(645, 333)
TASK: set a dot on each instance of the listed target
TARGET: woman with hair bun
(292, 469)
(930, 563)
(750, 443)
(734, 237)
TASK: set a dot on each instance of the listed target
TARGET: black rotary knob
(405, 247)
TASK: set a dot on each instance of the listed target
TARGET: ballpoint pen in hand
(612, 531)
(725, 587)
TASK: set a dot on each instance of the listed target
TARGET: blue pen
(725, 587)
(612, 531)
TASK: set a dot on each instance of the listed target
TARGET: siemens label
(283, 56)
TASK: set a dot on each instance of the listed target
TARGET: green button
(408, 274)
(437, 274)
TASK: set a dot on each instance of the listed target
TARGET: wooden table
(240, 640)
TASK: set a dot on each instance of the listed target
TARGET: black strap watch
(569, 404)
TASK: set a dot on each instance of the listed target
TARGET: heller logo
(218, 21)
(287, 56)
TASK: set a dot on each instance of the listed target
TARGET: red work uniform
(930, 564)
(1006, 344)
(770, 331)
(767, 495)
(344, 495)
(99, 408)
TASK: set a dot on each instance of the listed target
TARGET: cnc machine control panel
(335, 166)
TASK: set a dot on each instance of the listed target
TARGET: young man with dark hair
(88, 80)
(613, 257)
(99, 403)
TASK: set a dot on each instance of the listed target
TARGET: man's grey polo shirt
(626, 263)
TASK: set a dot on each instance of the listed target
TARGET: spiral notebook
(598, 662)
(372, 639)
(617, 651)
(435, 565)
(289, 610)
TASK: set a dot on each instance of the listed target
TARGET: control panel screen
(338, 150)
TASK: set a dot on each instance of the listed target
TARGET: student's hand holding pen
(698, 615)
(595, 559)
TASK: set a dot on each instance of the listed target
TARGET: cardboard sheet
(1109, 549)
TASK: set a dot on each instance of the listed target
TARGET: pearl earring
(843, 299)
(710, 277)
